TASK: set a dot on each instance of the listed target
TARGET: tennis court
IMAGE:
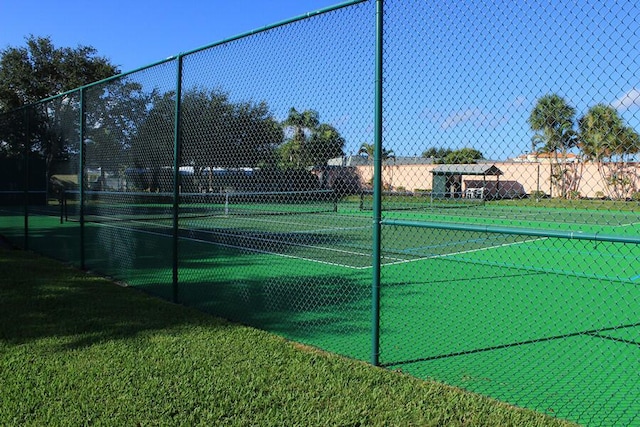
(388, 183)
(500, 313)
(506, 315)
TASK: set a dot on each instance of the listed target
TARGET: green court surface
(548, 323)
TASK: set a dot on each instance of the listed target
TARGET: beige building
(523, 175)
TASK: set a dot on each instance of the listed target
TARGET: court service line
(465, 252)
(193, 239)
(271, 253)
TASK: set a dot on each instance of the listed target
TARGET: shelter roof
(467, 169)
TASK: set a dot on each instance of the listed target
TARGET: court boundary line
(226, 245)
(463, 252)
(393, 260)
(594, 333)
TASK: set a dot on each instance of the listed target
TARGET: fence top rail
(179, 55)
(276, 25)
(560, 234)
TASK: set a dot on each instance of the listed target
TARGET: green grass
(78, 350)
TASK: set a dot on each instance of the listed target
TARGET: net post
(176, 176)
(377, 190)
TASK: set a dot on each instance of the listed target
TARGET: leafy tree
(437, 154)
(40, 70)
(216, 134)
(219, 133)
(300, 127)
(367, 151)
(463, 156)
(447, 155)
(307, 141)
(552, 118)
(37, 71)
(607, 141)
(114, 113)
(325, 143)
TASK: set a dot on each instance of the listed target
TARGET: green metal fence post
(377, 189)
(81, 179)
(176, 175)
(27, 148)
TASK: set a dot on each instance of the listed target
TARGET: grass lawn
(77, 350)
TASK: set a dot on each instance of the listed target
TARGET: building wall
(517, 177)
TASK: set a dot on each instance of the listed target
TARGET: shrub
(538, 195)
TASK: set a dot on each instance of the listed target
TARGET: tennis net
(101, 206)
(420, 200)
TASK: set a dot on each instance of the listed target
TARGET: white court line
(276, 253)
(295, 223)
(153, 233)
(631, 224)
(466, 252)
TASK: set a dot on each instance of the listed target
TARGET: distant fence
(408, 183)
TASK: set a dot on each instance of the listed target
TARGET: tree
(447, 155)
(217, 134)
(40, 70)
(309, 142)
(325, 143)
(552, 118)
(608, 142)
(463, 156)
(437, 154)
(37, 71)
(300, 127)
(367, 151)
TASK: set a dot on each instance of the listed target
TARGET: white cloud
(459, 117)
(517, 102)
(476, 117)
(628, 100)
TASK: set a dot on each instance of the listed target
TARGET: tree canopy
(130, 126)
(446, 155)
(606, 140)
(308, 142)
(601, 136)
(217, 132)
(437, 154)
(553, 120)
(368, 151)
(40, 70)
(604, 135)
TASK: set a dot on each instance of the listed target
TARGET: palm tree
(553, 120)
(368, 151)
(301, 126)
(607, 141)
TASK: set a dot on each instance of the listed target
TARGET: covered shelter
(447, 180)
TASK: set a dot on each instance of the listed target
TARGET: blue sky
(457, 74)
(135, 33)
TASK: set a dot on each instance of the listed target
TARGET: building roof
(471, 169)
(352, 160)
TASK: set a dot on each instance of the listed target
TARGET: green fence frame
(378, 220)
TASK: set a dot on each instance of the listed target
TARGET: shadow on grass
(40, 299)
(257, 278)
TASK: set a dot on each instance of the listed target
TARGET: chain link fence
(446, 189)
